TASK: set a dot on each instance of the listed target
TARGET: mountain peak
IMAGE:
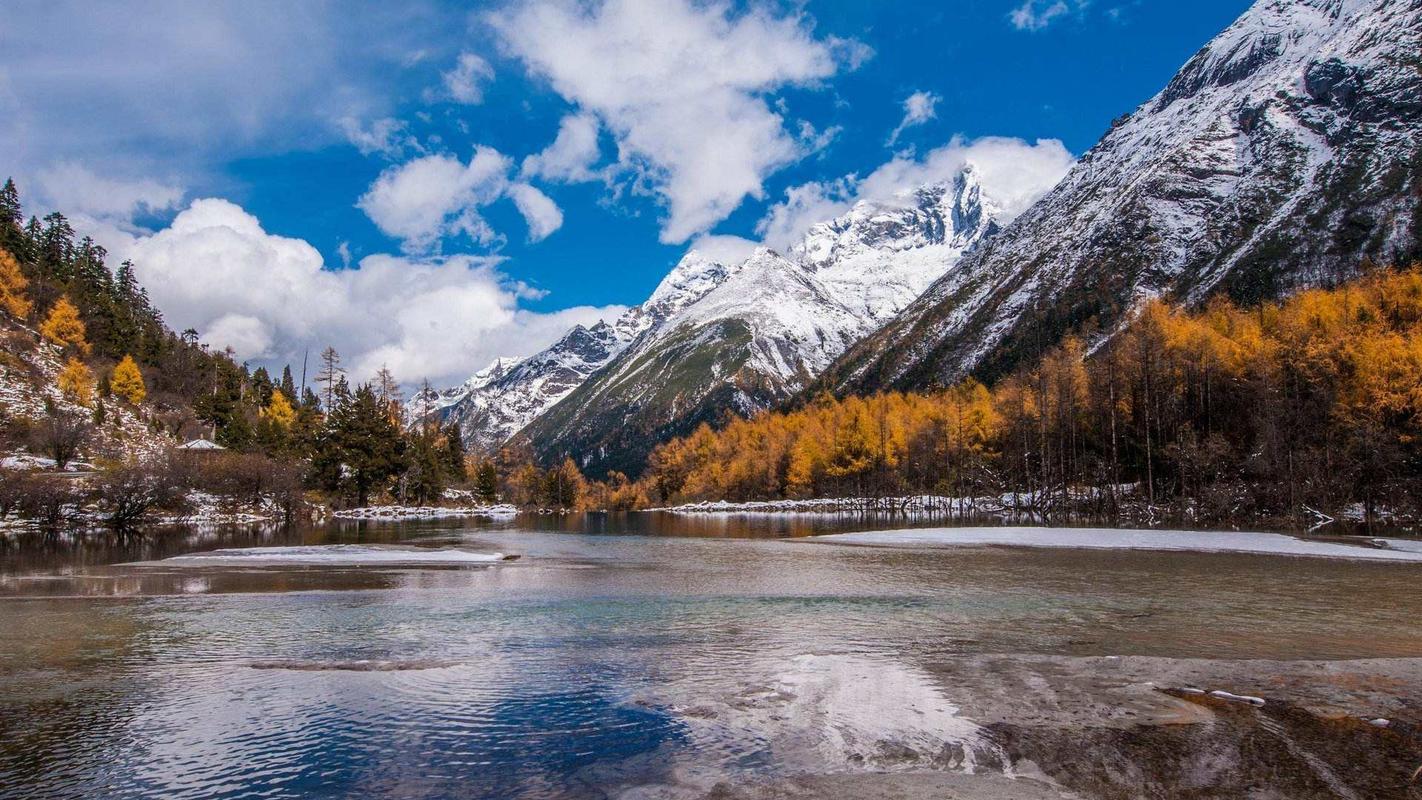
(743, 336)
(691, 278)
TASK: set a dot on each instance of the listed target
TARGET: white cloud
(805, 205)
(1035, 15)
(572, 154)
(725, 249)
(1014, 174)
(687, 106)
(239, 332)
(437, 196)
(539, 211)
(186, 86)
(387, 136)
(77, 191)
(919, 107)
(465, 83)
(429, 199)
(215, 269)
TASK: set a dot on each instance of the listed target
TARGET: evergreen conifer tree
(454, 454)
(363, 440)
(486, 482)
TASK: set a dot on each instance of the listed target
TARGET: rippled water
(610, 659)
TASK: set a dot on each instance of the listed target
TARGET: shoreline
(1021, 509)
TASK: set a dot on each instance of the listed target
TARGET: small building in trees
(201, 447)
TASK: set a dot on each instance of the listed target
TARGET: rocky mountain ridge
(1284, 154)
(766, 327)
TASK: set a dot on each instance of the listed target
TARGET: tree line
(1286, 413)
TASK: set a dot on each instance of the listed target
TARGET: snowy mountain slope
(767, 327)
(436, 401)
(1283, 154)
(500, 400)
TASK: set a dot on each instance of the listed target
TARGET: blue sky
(335, 126)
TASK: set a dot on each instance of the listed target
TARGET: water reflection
(621, 657)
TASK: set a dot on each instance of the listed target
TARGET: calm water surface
(635, 655)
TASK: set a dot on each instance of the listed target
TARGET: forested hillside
(1287, 413)
(91, 375)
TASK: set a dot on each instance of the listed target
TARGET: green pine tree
(486, 482)
(454, 454)
(364, 441)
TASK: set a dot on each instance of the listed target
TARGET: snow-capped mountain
(1284, 154)
(490, 411)
(431, 401)
(500, 400)
(759, 331)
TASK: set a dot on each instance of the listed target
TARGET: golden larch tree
(76, 381)
(64, 328)
(127, 381)
(279, 410)
(12, 287)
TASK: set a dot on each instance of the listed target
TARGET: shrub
(52, 501)
(126, 494)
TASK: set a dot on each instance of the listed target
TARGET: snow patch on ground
(425, 512)
(209, 509)
(336, 554)
(916, 504)
(29, 462)
(1127, 539)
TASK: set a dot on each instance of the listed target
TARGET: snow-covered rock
(1283, 154)
(431, 401)
(392, 513)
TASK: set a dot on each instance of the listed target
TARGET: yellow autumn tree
(279, 410)
(64, 328)
(127, 382)
(12, 287)
(76, 381)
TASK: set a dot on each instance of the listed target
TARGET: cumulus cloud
(465, 83)
(1035, 15)
(437, 196)
(687, 106)
(573, 152)
(79, 191)
(424, 201)
(919, 108)
(804, 205)
(269, 298)
(1013, 172)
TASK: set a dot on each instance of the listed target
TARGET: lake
(656, 655)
